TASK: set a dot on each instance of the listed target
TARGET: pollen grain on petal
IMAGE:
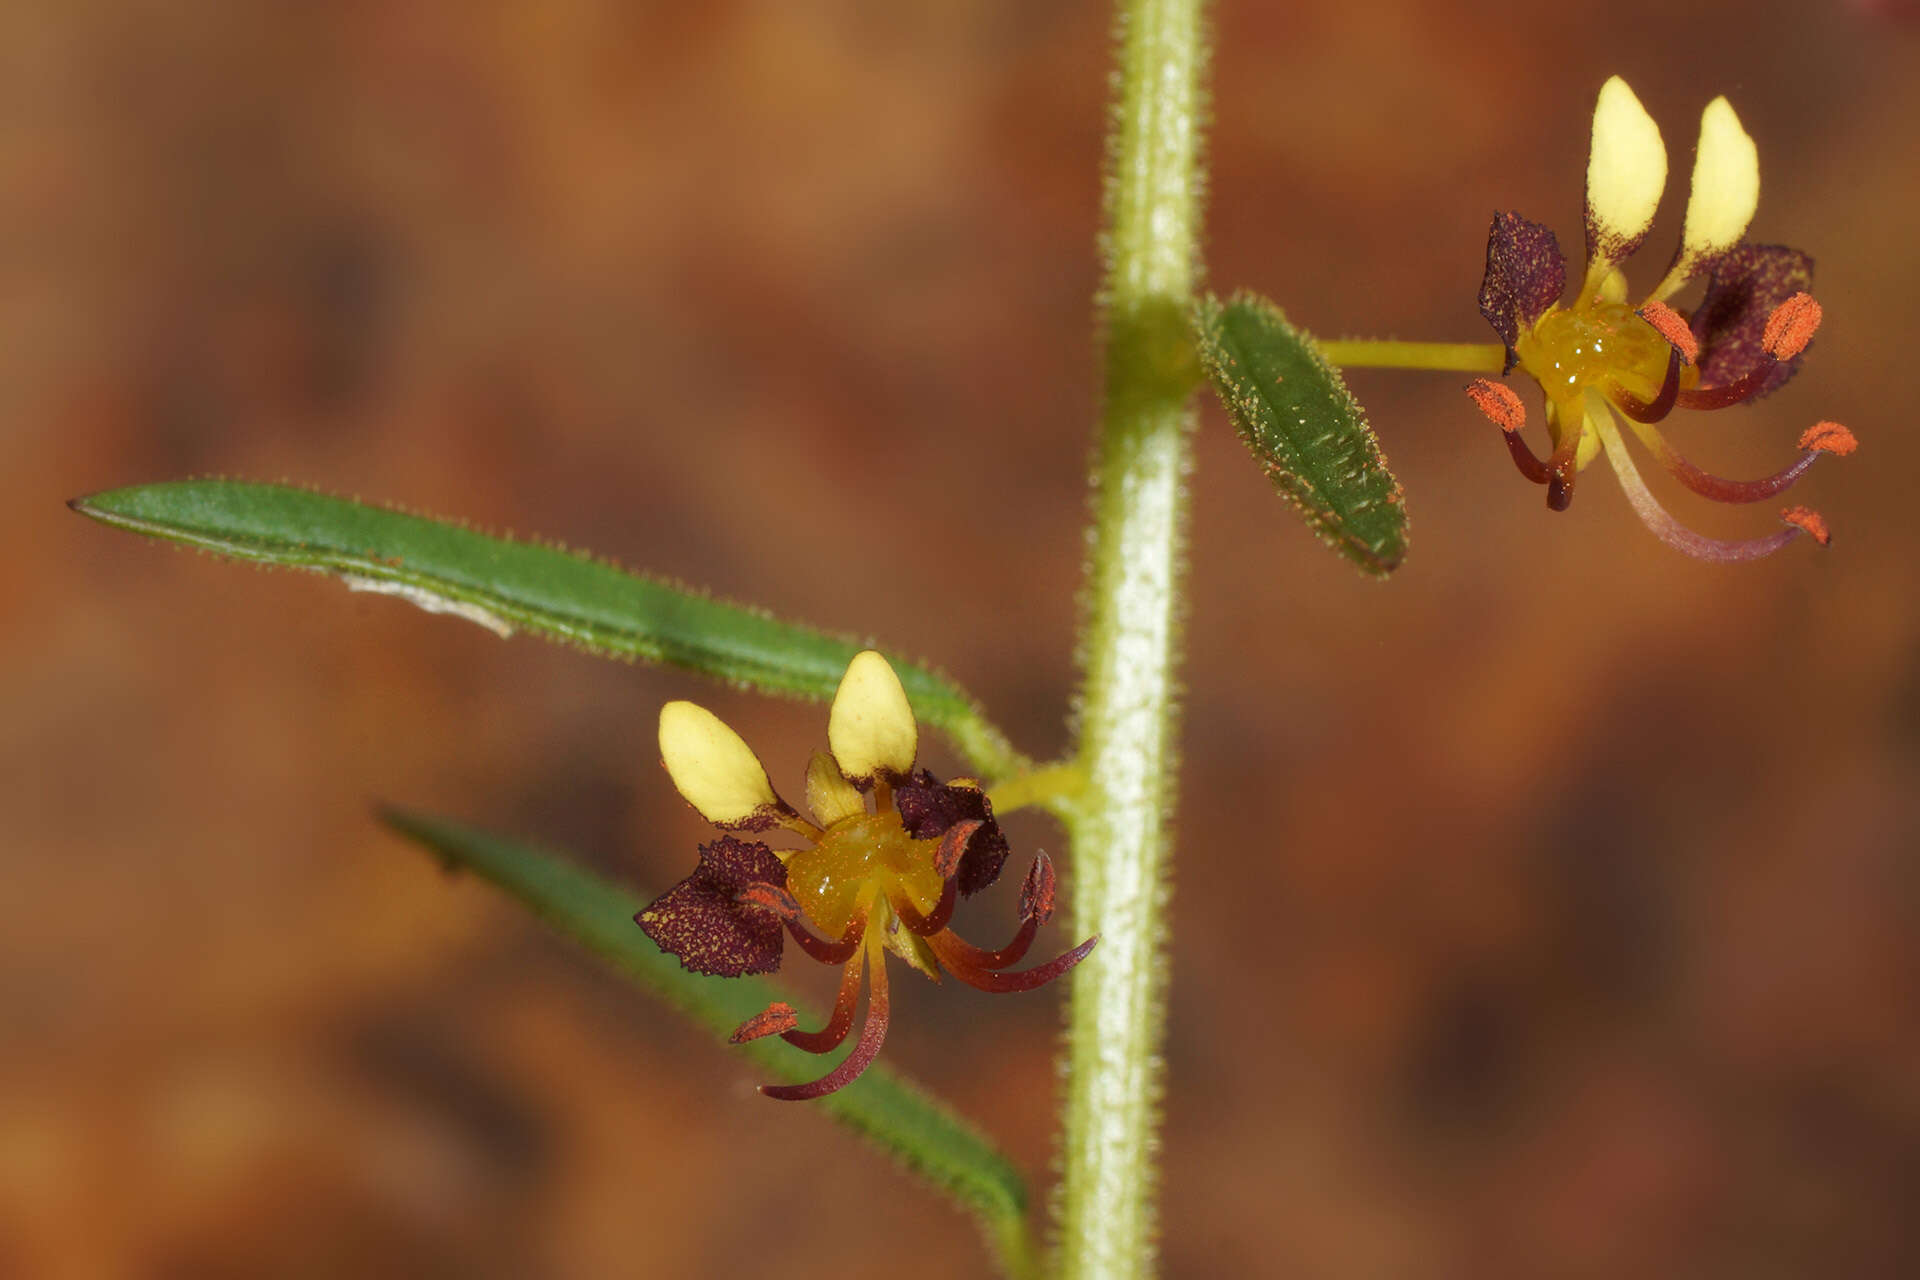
(1790, 327)
(1829, 437)
(1669, 324)
(1810, 521)
(1500, 402)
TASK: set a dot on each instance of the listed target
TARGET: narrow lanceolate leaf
(1305, 429)
(506, 586)
(891, 1113)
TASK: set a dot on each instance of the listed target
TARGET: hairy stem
(1130, 645)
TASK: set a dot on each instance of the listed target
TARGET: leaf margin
(1304, 471)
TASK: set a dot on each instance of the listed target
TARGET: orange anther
(1829, 437)
(1811, 521)
(1668, 324)
(770, 1021)
(1791, 327)
(1036, 895)
(1499, 402)
(769, 897)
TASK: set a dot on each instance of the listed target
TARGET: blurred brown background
(1549, 911)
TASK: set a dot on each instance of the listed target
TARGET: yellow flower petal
(713, 769)
(1726, 191)
(1626, 172)
(830, 796)
(870, 729)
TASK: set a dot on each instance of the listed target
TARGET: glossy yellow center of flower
(1599, 345)
(872, 850)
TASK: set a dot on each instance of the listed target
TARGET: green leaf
(894, 1115)
(1305, 428)
(506, 585)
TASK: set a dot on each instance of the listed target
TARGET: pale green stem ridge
(1462, 357)
(1055, 786)
(1129, 703)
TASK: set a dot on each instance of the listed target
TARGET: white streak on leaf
(431, 602)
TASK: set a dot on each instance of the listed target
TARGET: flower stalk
(1129, 705)
(1461, 357)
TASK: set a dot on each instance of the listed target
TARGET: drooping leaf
(507, 585)
(1306, 430)
(893, 1114)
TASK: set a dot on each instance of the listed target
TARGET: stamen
(1668, 324)
(972, 957)
(953, 847)
(776, 1018)
(1671, 531)
(1036, 894)
(984, 980)
(828, 1038)
(1829, 437)
(1810, 520)
(1499, 402)
(872, 1035)
(1503, 408)
(1790, 327)
(1708, 485)
(1563, 468)
(822, 950)
(935, 920)
(770, 898)
(1662, 404)
(1728, 393)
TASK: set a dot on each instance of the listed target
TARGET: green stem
(1054, 786)
(1463, 357)
(986, 749)
(1130, 647)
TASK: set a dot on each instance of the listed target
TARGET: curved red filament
(822, 950)
(872, 1035)
(981, 958)
(1563, 467)
(935, 920)
(1708, 485)
(827, 1038)
(1728, 393)
(1661, 405)
(1525, 459)
(961, 965)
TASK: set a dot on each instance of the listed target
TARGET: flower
(1601, 360)
(866, 883)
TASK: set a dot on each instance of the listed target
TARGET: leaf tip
(417, 829)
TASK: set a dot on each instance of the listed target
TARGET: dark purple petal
(1746, 285)
(699, 921)
(928, 807)
(1526, 274)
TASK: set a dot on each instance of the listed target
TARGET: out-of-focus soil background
(1549, 911)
